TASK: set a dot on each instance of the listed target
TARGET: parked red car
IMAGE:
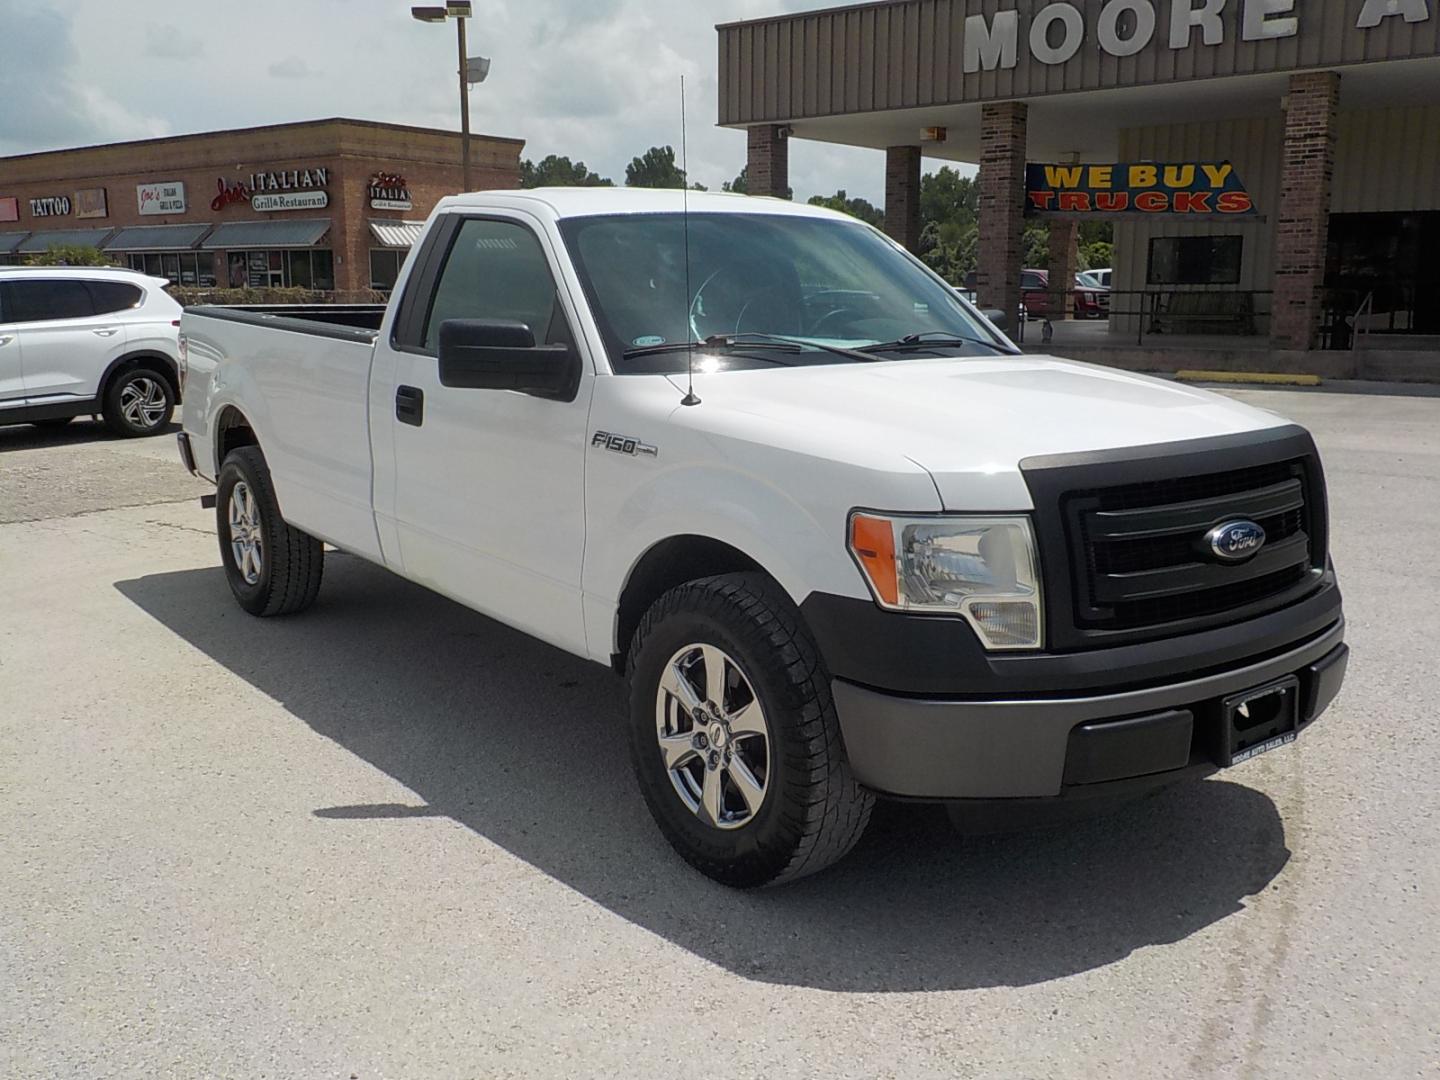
(1090, 303)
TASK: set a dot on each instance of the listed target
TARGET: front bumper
(1045, 747)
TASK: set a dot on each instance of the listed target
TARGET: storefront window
(194, 268)
(282, 269)
(300, 270)
(385, 266)
(1195, 260)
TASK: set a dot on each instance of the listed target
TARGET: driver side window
(497, 270)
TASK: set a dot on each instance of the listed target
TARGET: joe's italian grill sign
(1188, 189)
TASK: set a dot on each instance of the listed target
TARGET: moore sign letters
(1057, 31)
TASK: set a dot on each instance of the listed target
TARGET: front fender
(796, 533)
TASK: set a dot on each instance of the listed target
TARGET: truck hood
(968, 422)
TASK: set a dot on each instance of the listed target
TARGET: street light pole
(464, 104)
(460, 11)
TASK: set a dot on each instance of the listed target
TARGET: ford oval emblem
(1235, 541)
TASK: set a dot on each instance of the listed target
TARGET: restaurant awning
(41, 242)
(238, 235)
(397, 234)
(157, 238)
(9, 241)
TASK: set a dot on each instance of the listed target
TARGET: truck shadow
(525, 745)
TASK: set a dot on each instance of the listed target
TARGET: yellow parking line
(1272, 378)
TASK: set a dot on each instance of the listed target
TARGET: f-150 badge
(623, 444)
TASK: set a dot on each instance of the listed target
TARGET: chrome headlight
(982, 568)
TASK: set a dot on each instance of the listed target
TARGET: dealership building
(1271, 167)
(331, 205)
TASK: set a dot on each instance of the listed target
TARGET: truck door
(488, 485)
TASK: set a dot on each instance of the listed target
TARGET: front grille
(1138, 553)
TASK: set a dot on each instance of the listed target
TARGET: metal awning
(9, 241)
(41, 242)
(397, 234)
(237, 235)
(157, 238)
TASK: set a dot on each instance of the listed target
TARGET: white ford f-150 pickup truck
(872, 552)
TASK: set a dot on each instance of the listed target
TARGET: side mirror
(996, 316)
(501, 354)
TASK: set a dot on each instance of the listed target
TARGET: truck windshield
(807, 280)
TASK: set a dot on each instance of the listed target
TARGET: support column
(902, 196)
(1003, 135)
(1302, 225)
(768, 161)
(1064, 261)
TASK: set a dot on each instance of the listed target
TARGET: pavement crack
(179, 528)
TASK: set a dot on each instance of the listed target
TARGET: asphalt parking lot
(390, 838)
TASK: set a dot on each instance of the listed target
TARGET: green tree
(1035, 246)
(1097, 240)
(946, 196)
(950, 248)
(857, 207)
(71, 255)
(656, 169)
(557, 171)
(740, 185)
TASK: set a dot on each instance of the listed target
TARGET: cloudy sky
(596, 80)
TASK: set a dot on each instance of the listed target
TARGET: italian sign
(1188, 189)
(296, 200)
(389, 191)
(163, 197)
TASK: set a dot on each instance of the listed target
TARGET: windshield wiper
(750, 338)
(712, 343)
(934, 339)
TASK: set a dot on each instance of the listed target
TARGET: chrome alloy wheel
(246, 544)
(143, 402)
(713, 736)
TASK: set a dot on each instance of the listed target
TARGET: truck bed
(304, 378)
(349, 322)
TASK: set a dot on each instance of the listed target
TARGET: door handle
(5, 339)
(410, 405)
(107, 332)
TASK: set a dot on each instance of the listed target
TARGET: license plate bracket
(1260, 720)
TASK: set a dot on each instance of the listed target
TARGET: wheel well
(665, 566)
(232, 432)
(162, 365)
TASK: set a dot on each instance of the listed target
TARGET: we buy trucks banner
(1190, 189)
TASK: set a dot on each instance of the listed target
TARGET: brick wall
(1003, 136)
(768, 158)
(902, 195)
(352, 152)
(1302, 224)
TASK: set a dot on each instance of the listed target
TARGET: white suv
(84, 341)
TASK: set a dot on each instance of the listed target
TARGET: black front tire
(151, 415)
(813, 811)
(291, 562)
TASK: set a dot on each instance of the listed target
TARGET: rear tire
(786, 804)
(139, 402)
(272, 567)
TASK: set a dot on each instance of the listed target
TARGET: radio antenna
(689, 398)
